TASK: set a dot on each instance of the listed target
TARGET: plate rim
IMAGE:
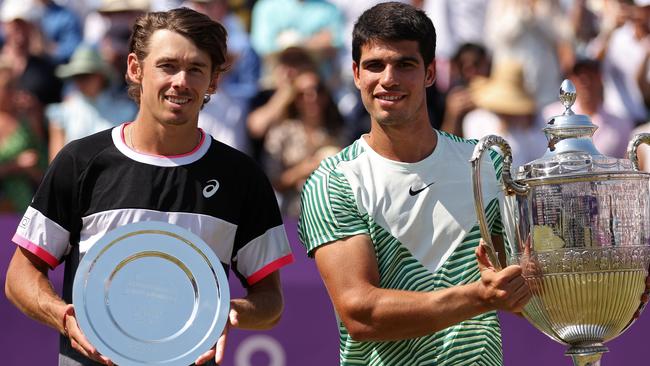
(219, 319)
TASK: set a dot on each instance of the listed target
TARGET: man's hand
(504, 290)
(78, 340)
(218, 350)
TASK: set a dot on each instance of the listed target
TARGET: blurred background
(288, 101)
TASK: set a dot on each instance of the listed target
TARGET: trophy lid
(571, 150)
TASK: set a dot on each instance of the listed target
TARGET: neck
(407, 144)
(166, 140)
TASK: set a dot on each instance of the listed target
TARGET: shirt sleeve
(328, 209)
(261, 243)
(45, 227)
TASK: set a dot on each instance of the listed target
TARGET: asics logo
(415, 192)
(211, 188)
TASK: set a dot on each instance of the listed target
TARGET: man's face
(589, 85)
(174, 77)
(392, 78)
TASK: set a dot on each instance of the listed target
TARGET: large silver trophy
(578, 223)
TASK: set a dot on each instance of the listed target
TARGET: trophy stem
(588, 355)
(587, 360)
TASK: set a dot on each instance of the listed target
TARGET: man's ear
(430, 74)
(212, 88)
(133, 68)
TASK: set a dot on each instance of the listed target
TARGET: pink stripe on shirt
(269, 268)
(36, 250)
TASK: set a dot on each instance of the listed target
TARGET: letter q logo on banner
(260, 343)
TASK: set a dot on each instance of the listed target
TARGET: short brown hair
(207, 34)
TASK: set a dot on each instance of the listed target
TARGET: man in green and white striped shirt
(391, 223)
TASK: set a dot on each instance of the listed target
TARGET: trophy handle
(511, 187)
(641, 138)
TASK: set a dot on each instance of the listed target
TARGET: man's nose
(180, 80)
(388, 77)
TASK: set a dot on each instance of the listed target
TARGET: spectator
(112, 14)
(314, 25)
(89, 108)
(278, 24)
(507, 110)
(62, 30)
(585, 20)
(269, 106)
(613, 133)
(35, 81)
(538, 34)
(21, 161)
(311, 131)
(622, 47)
(240, 81)
(225, 116)
(470, 64)
(457, 22)
(114, 49)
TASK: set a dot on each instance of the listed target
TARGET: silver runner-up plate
(151, 293)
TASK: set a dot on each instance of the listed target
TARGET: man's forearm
(262, 307)
(29, 289)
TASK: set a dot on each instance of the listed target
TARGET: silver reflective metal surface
(151, 293)
(578, 223)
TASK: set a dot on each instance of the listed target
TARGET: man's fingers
(233, 318)
(76, 334)
(205, 357)
(217, 352)
(220, 348)
(79, 342)
(482, 257)
(512, 273)
(93, 355)
(523, 294)
(233, 321)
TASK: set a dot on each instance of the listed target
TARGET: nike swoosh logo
(413, 193)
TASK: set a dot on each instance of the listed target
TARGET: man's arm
(260, 309)
(30, 290)
(370, 313)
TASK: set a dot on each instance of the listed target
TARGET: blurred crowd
(288, 98)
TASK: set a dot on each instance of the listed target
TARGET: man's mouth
(177, 100)
(390, 98)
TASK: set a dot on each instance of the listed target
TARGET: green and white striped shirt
(422, 222)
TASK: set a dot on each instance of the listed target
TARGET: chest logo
(417, 191)
(211, 188)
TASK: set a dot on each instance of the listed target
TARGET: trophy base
(586, 354)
